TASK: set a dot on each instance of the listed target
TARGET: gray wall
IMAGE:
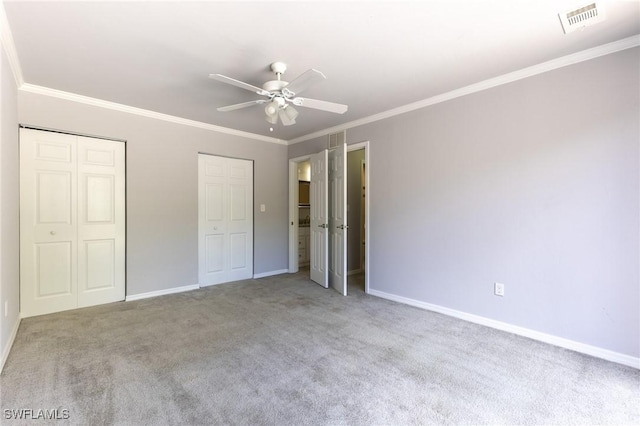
(354, 215)
(534, 184)
(162, 198)
(10, 204)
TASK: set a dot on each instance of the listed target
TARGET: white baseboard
(354, 272)
(161, 292)
(270, 273)
(521, 331)
(12, 337)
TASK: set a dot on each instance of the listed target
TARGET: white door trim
(293, 209)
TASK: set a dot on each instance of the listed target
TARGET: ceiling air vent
(337, 139)
(582, 17)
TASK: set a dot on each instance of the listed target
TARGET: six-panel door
(225, 219)
(338, 219)
(319, 220)
(72, 251)
(101, 219)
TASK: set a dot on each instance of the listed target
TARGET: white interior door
(101, 221)
(48, 231)
(338, 219)
(72, 237)
(240, 223)
(225, 216)
(319, 223)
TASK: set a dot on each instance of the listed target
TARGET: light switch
(263, 208)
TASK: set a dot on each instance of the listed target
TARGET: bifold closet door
(72, 223)
(101, 221)
(225, 219)
(319, 218)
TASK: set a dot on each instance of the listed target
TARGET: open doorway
(357, 200)
(304, 214)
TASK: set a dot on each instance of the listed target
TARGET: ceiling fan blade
(238, 83)
(303, 81)
(242, 105)
(321, 105)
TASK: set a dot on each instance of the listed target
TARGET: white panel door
(53, 265)
(101, 221)
(319, 211)
(212, 219)
(225, 219)
(338, 219)
(240, 223)
(48, 226)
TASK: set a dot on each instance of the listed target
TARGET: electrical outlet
(498, 289)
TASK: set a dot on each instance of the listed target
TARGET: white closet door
(101, 221)
(225, 217)
(48, 225)
(240, 223)
(56, 271)
(319, 222)
(212, 219)
(338, 219)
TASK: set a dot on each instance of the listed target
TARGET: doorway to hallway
(305, 251)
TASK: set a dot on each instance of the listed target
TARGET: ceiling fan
(281, 95)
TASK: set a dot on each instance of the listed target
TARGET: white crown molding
(40, 90)
(584, 55)
(9, 47)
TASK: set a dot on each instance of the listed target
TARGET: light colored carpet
(284, 351)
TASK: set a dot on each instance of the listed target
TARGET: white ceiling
(376, 55)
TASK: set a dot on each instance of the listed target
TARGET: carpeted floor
(284, 351)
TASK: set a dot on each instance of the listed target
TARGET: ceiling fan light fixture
(271, 119)
(290, 112)
(273, 106)
(271, 109)
(288, 115)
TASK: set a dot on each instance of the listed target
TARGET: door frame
(293, 208)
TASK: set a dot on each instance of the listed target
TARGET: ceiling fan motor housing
(274, 85)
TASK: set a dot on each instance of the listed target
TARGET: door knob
(343, 227)
(53, 232)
